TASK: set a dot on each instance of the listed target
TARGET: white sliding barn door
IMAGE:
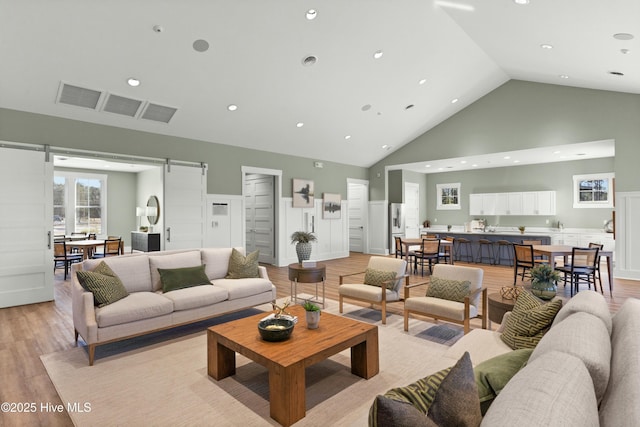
(185, 189)
(26, 227)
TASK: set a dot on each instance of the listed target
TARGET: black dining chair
(429, 252)
(581, 268)
(63, 258)
(111, 247)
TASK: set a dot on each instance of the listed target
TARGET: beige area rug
(163, 381)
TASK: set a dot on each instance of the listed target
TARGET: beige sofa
(147, 309)
(584, 372)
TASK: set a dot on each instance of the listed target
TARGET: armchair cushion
(103, 283)
(452, 290)
(241, 267)
(529, 321)
(378, 278)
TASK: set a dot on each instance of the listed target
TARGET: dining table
(88, 246)
(553, 251)
(407, 242)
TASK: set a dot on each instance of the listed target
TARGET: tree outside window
(79, 203)
(593, 191)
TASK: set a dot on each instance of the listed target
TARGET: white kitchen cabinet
(539, 203)
(508, 204)
(513, 203)
(482, 204)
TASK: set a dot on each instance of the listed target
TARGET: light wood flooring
(28, 331)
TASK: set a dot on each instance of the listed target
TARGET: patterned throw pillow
(241, 266)
(375, 277)
(529, 321)
(452, 290)
(103, 283)
(179, 278)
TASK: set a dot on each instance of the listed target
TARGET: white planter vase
(313, 319)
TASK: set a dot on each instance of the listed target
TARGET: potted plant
(303, 240)
(521, 228)
(312, 313)
(544, 280)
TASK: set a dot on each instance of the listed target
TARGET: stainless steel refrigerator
(396, 224)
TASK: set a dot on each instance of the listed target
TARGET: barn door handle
(168, 234)
(48, 239)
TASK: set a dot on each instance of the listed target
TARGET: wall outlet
(547, 221)
(435, 219)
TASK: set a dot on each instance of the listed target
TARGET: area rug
(163, 381)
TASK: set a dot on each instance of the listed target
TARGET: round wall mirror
(153, 210)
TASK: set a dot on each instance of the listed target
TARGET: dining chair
(524, 259)
(429, 252)
(110, 247)
(598, 276)
(381, 284)
(62, 257)
(581, 269)
(400, 249)
(446, 251)
(533, 242)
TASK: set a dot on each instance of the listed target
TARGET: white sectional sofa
(147, 309)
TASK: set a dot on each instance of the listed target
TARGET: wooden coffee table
(287, 360)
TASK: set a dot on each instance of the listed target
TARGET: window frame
(442, 202)
(71, 206)
(582, 204)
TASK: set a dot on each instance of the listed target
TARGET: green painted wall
(224, 161)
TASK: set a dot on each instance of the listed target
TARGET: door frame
(277, 188)
(365, 231)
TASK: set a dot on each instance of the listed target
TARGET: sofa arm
(262, 271)
(84, 314)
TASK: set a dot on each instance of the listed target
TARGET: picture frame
(593, 190)
(303, 193)
(331, 206)
(448, 196)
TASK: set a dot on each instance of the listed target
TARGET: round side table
(300, 274)
(498, 306)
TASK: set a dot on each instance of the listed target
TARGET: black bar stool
(485, 246)
(504, 247)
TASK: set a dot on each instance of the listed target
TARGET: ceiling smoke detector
(158, 28)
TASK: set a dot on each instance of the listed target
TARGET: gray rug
(162, 380)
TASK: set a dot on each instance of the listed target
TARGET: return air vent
(158, 113)
(121, 105)
(78, 96)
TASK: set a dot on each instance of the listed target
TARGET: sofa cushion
(196, 296)
(555, 389)
(241, 288)
(185, 277)
(493, 374)
(173, 260)
(482, 344)
(529, 321)
(136, 306)
(217, 261)
(374, 277)
(586, 337)
(586, 301)
(103, 283)
(452, 290)
(620, 403)
(133, 270)
(241, 267)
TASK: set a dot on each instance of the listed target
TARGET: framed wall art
(331, 206)
(448, 196)
(302, 193)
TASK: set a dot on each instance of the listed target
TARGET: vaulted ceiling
(303, 74)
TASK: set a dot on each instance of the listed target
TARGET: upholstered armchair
(455, 294)
(381, 284)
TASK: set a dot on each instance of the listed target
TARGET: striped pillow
(103, 283)
(529, 321)
(375, 277)
(452, 290)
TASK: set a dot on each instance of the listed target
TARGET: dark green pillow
(529, 321)
(241, 266)
(179, 278)
(375, 277)
(103, 283)
(493, 374)
(452, 290)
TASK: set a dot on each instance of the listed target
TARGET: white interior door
(185, 189)
(259, 197)
(358, 201)
(411, 209)
(26, 226)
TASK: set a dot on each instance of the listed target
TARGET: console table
(145, 242)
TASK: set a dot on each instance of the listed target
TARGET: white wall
(627, 236)
(378, 227)
(150, 184)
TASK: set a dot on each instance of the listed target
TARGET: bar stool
(488, 245)
(504, 245)
(462, 243)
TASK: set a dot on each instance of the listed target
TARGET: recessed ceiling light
(377, 54)
(516, 161)
(366, 107)
(521, 1)
(453, 5)
(299, 124)
(463, 161)
(427, 166)
(563, 76)
(616, 73)
(311, 14)
(232, 107)
(623, 36)
(557, 152)
(453, 101)
(387, 147)
(408, 107)
(131, 81)
(158, 28)
(201, 45)
(546, 46)
(440, 169)
(347, 137)
(474, 165)
(422, 81)
(624, 51)
(506, 157)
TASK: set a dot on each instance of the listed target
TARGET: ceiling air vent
(78, 96)
(121, 105)
(158, 113)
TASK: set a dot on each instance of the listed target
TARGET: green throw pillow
(452, 290)
(375, 277)
(493, 374)
(529, 321)
(103, 283)
(179, 278)
(241, 266)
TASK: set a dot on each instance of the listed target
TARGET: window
(448, 196)
(79, 203)
(593, 190)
